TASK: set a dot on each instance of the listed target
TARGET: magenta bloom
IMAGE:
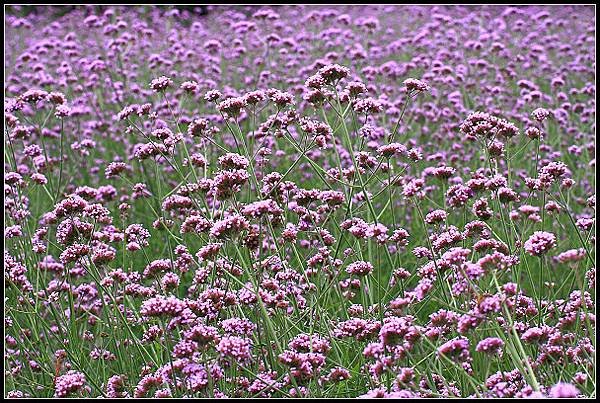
(360, 268)
(69, 383)
(562, 389)
(414, 85)
(539, 243)
(456, 349)
(238, 348)
(491, 345)
(161, 83)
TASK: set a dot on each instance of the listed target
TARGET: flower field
(300, 201)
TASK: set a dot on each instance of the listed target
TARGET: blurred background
(24, 10)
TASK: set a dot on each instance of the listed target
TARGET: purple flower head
(564, 390)
(539, 243)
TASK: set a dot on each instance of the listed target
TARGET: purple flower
(539, 243)
(359, 268)
(161, 83)
(414, 85)
(237, 348)
(563, 389)
(70, 383)
(456, 349)
(490, 345)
